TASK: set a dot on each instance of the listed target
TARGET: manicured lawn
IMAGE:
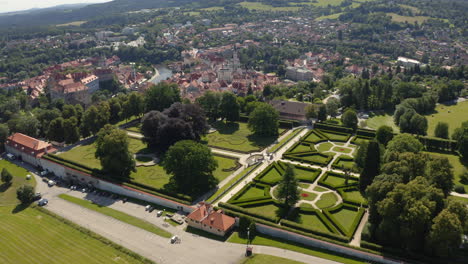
(358, 140)
(316, 158)
(354, 195)
(457, 164)
(306, 175)
(323, 147)
(304, 185)
(320, 189)
(381, 120)
(131, 220)
(286, 139)
(213, 8)
(31, 236)
(345, 217)
(337, 137)
(273, 175)
(273, 242)
(262, 7)
(344, 164)
(266, 210)
(409, 19)
(155, 176)
(231, 182)
(454, 115)
(136, 128)
(8, 192)
(313, 221)
(252, 192)
(267, 259)
(332, 16)
(327, 200)
(301, 148)
(342, 149)
(337, 181)
(308, 196)
(237, 137)
(313, 137)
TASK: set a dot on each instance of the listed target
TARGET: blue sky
(16, 5)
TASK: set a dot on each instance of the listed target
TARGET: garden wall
(290, 236)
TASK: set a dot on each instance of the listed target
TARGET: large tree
(461, 136)
(4, 133)
(403, 143)
(229, 107)
(263, 120)
(322, 113)
(371, 166)
(332, 106)
(71, 131)
(441, 130)
(288, 192)
(161, 96)
(112, 151)
(191, 167)
(210, 102)
(445, 235)
(56, 130)
(349, 119)
(6, 176)
(384, 134)
(25, 194)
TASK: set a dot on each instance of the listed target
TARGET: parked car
(10, 156)
(175, 239)
(151, 209)
(148, 207)
(43, 202)
(45, 180)
(159, 213)
(51, 183)
(37, 196)
(43, 173)
(124, 200)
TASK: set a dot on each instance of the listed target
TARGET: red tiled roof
(28, 141)
(216, 219)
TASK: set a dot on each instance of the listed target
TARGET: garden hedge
(331, 138)
(335, 128)
(244, 211)
(328, 173)
(300, 227)
(438, 144)
(342, 192)
(342, 229)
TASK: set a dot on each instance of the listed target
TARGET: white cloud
(17, 5)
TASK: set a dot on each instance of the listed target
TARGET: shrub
(25, 194)
(6, 176)
(464, 177)
(459, 189)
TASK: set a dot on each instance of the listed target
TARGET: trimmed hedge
(244, 211)
(247, 187)
(299, 157)
(331, 138)
(356, 138)
(366, 132)
(254, 202)
(328, 173)
(302, 228)
(438, 144)
(335, 128)
(342, 229)
(272, 166)
(342, 192)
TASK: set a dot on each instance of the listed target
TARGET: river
(161, 74)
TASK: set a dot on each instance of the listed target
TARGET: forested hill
(69, 14)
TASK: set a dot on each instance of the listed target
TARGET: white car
(43, 202)
(51, 183)
(43, 173)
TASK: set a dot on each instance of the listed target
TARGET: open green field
(236, 136)
(409, 19)
(332, 16)
(30, 236)
(327, 200)
(267, 259)
(8, 192)
(323, 147)
(263, 7)
(123, 217)
(312, 221)
(454, 115)
(340, 163)
(381, 120)
(273, 242)
(268, 210)
(213, 8)
(321, 3)
(74, 23)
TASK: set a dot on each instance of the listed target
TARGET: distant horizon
(7, 6)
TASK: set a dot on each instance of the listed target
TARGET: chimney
(211, 220)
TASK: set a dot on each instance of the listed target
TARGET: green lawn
(313, 137)
(332, 16)
(262, 7)
(267, 259)
(273, 175)
(213, 8)
(308, 196)
(252, 192)
(131, 220)
(457, 164)
(336, 181)
(305, 174)
(303, 147)
(326, 200)
(31, 236)
(316, 158)
(454, 115)
(223, 164)
(345, 217)
(8, 192)
(228, 185)
(354, 195)
(381, 120)
(312, 221)
(344, 164)
(268, 210)
(286, 139)
(342, 149)
(409, 19)
(237, 137)
(337, 137)
(274, 242)
(320, 189)
(323, 147)
(136, 128)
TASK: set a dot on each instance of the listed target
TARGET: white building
(299, 74)
(407, 63)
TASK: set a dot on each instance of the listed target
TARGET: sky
(17, 5)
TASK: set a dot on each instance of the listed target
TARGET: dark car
(43, 202)
(36, 196)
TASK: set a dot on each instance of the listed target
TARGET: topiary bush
(459, 189)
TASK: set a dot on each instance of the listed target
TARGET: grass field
(454, 115)
(409, 19)
(345, 217)
(213, 8)
(228, 184)
(308, 196)
(252, 192)
(268, 210)
(381, 120)
(320, 189)
(342, 149)
(267, 259)
(8, 192)
(273, 242)
(31, 236)
(312, 221)
(262, 7)
(237, 137)
(326, 200)
(332, 16)
(323, 147)
(74, 23)
(123, 217)
(286, 139)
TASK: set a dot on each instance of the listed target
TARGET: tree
(441, 130)
(95, 118)
(69, 111)
(445, 235)
(461, 136)
(112, 151)
(161, 96)
(263, 121)
(210, 102)
(191, 167)
(25, 194)
(361, 154)
(288, 191)
(150, 124)
(229, 107)
(25, 124)
(332, 106)
(136, 104)
(310, 112)
(115, 110)
(403, 143)
(71, 131)
(349, 119)
(322, 113)
(371, 166)
(440, 174)
(56, 131)
(6, 176)
(384, 134)
(4, 133)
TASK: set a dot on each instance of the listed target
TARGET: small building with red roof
(27, 148)
(209, 220)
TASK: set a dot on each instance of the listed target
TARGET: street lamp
(248, 235)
